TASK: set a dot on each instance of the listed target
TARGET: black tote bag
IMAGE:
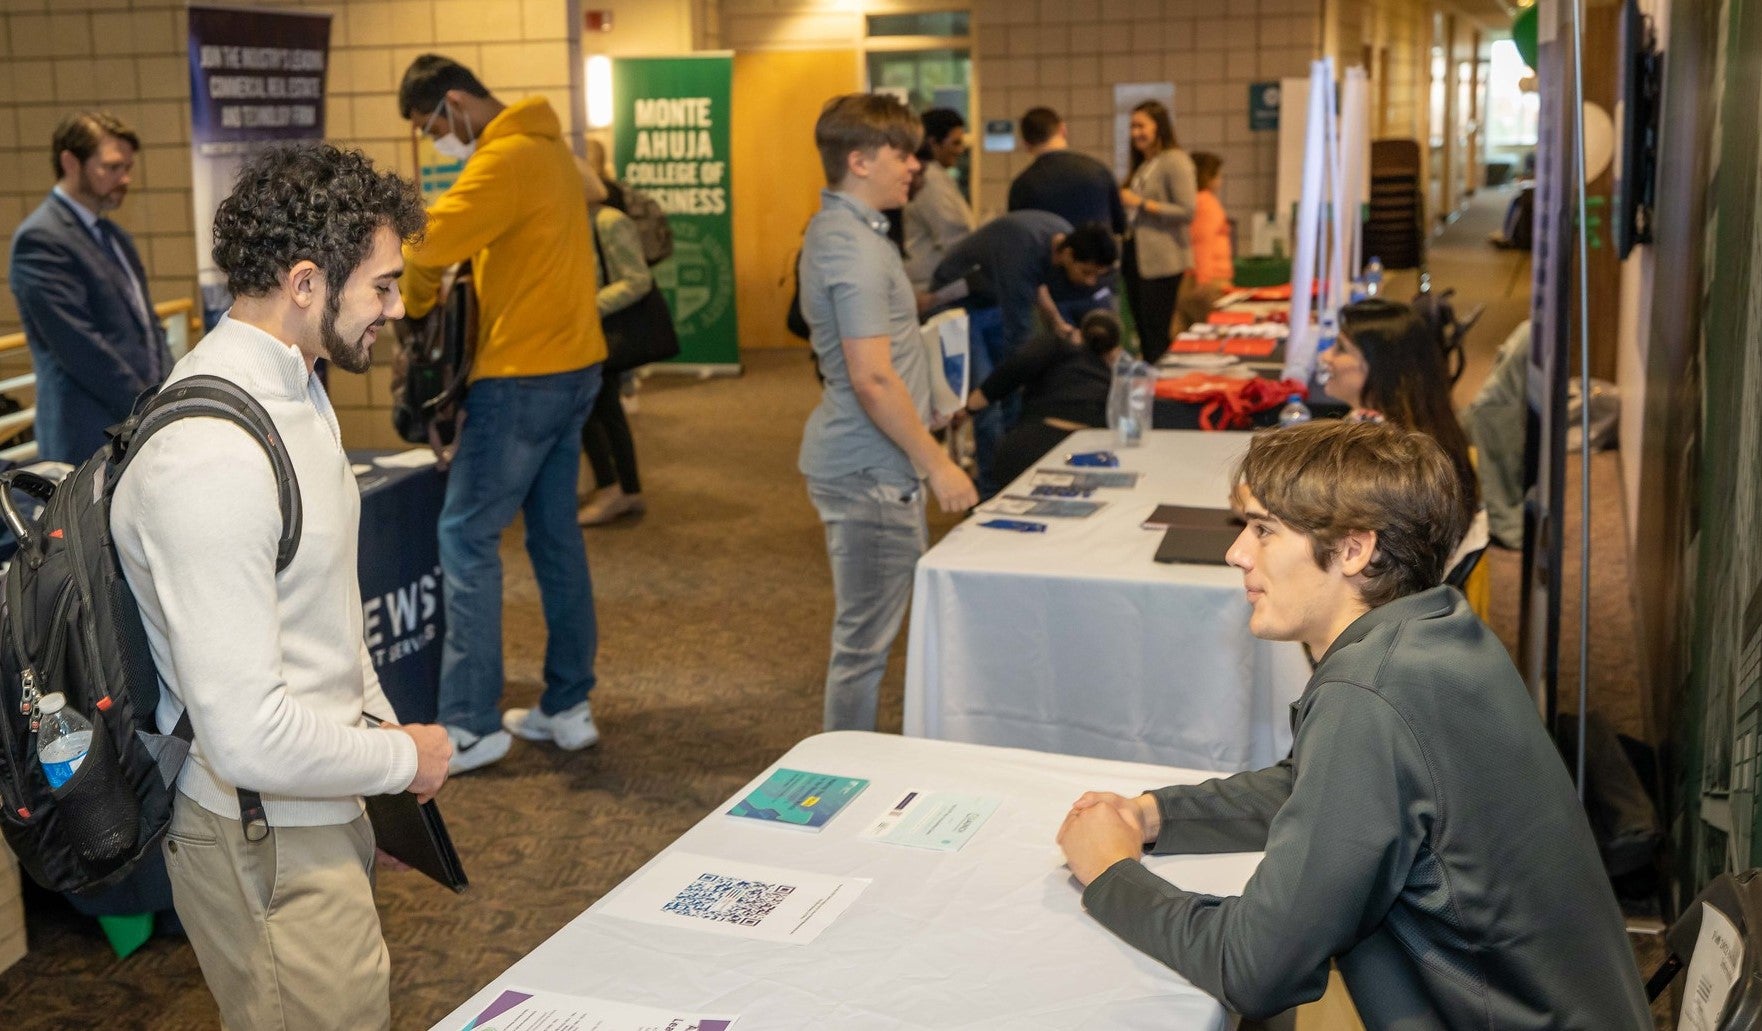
(639, 334)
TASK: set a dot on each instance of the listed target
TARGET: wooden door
(777, 96)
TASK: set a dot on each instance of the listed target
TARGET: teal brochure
(936, 820)
(796, 798)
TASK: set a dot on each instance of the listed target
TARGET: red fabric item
(1227, 317)
(1195, 345)
(1230, 402)
(1250, 347)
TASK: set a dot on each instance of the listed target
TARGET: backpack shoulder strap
(214, 397)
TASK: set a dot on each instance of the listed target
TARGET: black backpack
(69, 624)
(433, 365)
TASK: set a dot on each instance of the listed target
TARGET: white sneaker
(473, 751)
(571, 730)
(609, 504)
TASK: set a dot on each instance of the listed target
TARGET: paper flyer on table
(415, 458)
(1087, 479)
(522, 1009)
(743, 900)
(937, 820)
(1012, 504)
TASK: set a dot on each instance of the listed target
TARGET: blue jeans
(875, 533)
(988, 348)
(518, 453)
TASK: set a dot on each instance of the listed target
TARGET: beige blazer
(1165, 247)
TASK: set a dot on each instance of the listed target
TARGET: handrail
(184, 306)
(178, 338)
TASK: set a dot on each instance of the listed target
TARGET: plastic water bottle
(1373, 277)
(1129, 400)
(1326, 336)
(1295, 412)
(63, 738)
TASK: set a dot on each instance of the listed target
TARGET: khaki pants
(284, 928)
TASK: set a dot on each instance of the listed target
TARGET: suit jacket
(94, 353)
(1165, 246)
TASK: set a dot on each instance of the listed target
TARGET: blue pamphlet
(1018, 525)
(797, 798)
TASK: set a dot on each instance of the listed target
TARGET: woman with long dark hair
(1388, 365)
(1160, 192)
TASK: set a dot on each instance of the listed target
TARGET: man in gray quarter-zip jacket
(1423, 833)
(272, 667)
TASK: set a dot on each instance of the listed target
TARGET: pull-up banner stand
(670, 140)
(256, 79)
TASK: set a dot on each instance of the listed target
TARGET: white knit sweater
(273, 667)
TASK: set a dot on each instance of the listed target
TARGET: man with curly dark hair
(272, 667)
(519, 212)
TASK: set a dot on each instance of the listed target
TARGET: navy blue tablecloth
(401, 600)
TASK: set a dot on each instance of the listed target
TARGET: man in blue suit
(82, 292)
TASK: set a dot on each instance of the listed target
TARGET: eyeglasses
(428, 126)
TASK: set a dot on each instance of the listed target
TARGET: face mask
(450, 145)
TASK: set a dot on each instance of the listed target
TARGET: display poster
(256, 78)
(671, 141)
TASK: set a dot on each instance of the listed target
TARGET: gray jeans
(874, 534)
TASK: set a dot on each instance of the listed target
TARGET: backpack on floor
(70, 624)
(652, 227)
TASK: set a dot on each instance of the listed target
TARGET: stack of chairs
(1394, 224)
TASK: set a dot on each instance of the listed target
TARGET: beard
(107, 202)
(350, 357)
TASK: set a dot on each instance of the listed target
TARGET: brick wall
(1069, 57)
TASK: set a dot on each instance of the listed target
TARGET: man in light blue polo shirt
(866, 451)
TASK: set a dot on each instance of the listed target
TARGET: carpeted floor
(714, 610)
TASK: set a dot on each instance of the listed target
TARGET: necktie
(108, 241)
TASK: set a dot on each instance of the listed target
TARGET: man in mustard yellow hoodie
(518, 213)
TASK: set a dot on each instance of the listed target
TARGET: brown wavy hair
(865, 122)
(1327, 479)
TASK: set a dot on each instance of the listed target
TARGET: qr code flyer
(722, 896)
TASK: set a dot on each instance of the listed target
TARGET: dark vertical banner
(256, 78)
(1725, 677)
(671, 141)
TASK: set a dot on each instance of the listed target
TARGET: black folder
(414, 834)
(1165, 516)
(1197, 545)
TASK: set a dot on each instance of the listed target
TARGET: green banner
(670, 141)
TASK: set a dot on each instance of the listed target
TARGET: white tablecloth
(992, 936)
(1077, 641)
